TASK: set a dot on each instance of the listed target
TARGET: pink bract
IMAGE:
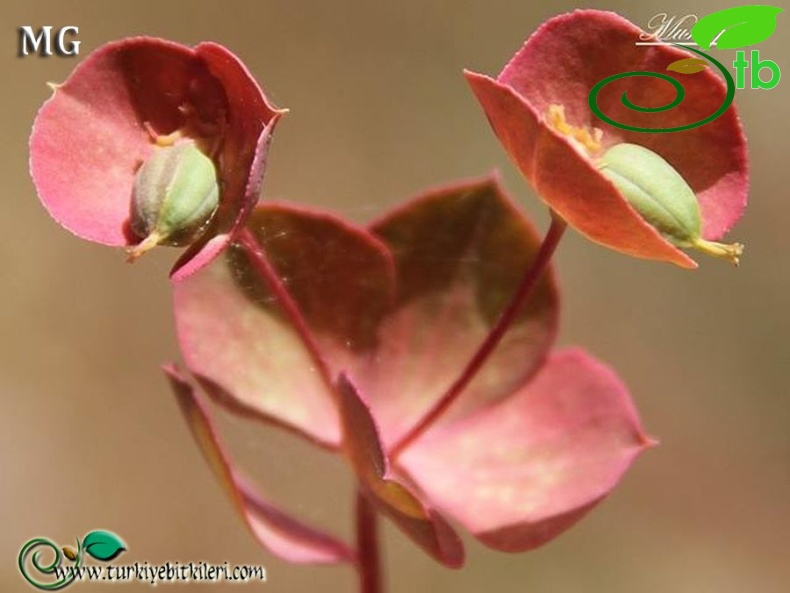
(558, 65)
(90, 137)
(347, 336)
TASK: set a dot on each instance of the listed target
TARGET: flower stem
(269, 275)
(506, 319)
(368, 560)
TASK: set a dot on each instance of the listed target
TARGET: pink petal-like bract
(426, 527)
(520, 473)
(252, 357)
(283, 535)
(348, 336)
(399, 310)
(90, 137)
(559, 65)
(460, 252)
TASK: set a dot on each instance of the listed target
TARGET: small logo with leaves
(731, 28)
(99, 544)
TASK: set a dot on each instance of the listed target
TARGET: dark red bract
(90, 137)
(348, 336)
(559, 65)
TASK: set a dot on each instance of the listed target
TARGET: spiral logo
(680, 94)
(36, 547)
(99, 544)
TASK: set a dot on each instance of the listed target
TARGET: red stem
(506, 319)
(368, 559)
(268, 274)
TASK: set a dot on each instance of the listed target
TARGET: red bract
(349, 336)
(558, 66)
(91, 136)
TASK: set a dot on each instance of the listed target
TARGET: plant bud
(662, 197)
(69, 553)
(175, 194)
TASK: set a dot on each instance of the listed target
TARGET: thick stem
(368, 558)
(506, 319)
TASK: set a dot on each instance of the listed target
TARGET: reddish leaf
(283, 535)
(518, 474)
(251, 122)
(253, 355)
(395, 318)
(427, 528)
(460, 253)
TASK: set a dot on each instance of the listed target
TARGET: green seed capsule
(662, 197)
(175, 194)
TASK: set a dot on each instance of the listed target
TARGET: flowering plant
(123, 101)
(418, 347)
(364, 358)
(539, 108)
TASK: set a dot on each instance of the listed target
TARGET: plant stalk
(368, 555)
(268, 274)
(506, 319)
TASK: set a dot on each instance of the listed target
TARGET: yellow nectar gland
(589, 140)
(163, 139)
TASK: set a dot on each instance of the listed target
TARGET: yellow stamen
(587, 139)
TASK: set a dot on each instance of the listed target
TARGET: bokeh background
(91, 437)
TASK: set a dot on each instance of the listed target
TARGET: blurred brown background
(91, 436)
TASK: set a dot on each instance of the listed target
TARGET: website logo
(100, 544)
(731, 28)
(50, 567)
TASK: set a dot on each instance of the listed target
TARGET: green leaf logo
(103, 545)
(736, 27)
